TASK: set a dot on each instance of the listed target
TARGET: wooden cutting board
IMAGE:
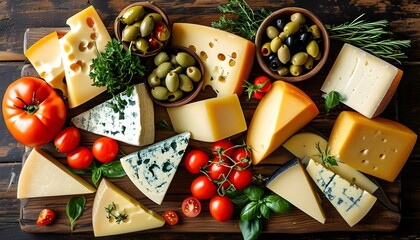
(378, 219)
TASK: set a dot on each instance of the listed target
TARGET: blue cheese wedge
(135, 125)
(152, 169)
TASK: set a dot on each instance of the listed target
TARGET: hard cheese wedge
(227, 58)
(292, 183)
(366, 82)
(282, 112)
(79, 47)
(209, 120)
(303, 146)
(153, 168)
(43, 176)
(351, 202)
(379, 147)
(133, 125)
(138, 217)
(45, 56)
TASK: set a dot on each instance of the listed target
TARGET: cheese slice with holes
(79, 47)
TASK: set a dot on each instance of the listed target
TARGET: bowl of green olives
(292, 44)
(144, 27)
(175, 76)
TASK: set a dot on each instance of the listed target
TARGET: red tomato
(191, 207)
(161, 31)
(221, 208)
(258, 95)
(242, 157)
(170, 217)
(195, 160)
(240, 179)
(33, 112)
(262, 83)
(105, 149)
(203, 188)
(218, 169)
(46, 216)
(223, 147)
(67, 139)
(80, 158)
(154, 43)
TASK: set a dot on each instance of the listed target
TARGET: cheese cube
(379, 147)
(227, 58)
(209, 120)
(283, 111)
(366, 82)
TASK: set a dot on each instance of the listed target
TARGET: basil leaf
(250, 211)
(254, 193)
(238, 197)
(332, 100)
(74, 209)
(113, 169)
(96, 176)
(265, 211)
(277, 204)
(251, 229)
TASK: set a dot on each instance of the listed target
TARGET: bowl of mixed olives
(292, 44)
(144, 27)
(175, 76)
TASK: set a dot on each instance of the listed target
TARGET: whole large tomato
(33, 112)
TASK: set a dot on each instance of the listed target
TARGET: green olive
(299, 58)
(184, 59)
(160, 93)
(132, 15)
(175, 95)
(318, 57)
(185, 83)
(298, 17)
(146, 26)
(160, 58)
(141, 45)
(309, 64)
(194, 73)
(283, 36)
(316, 33)
(272, 32)
(266, 49)
(156, 16)
(295, 70)
(275, 44)
(312, 48)
(177, 69)
(129, 33)
(153, 80)
(172, 82)
(291, 28)
(172, 59)
(283, 71)
(283, 54)
(163, 69)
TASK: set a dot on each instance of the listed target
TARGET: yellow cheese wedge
(227, 58)
(283, 111)
(45, 56)
(303, 145)
(43, 176)
(79, 47)
(292, 183)
(136, 216)
(379, 147)
(209, 120)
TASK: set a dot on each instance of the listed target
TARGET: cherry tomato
(170, 217)
(80, 158)
(221, 208)
(154, 43)
(258, 95)
(240, 179)
(161, 31)
(263, 84)
(67, 139)
(223, 147)
(191, 207)
(218, 169)
(105, 149)
(242, 157)
(203, 188)
(195, 160)
(46, 216)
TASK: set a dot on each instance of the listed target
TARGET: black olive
(305, 37)
(272, 56)
(303, 28)
(275, 64)
(290, 41)
(280, 23)
(300, 46)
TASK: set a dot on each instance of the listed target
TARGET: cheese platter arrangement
(246, 153)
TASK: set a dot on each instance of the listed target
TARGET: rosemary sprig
(118, 217)
(328, 160)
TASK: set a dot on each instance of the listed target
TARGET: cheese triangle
(137, 217)
(44, 176)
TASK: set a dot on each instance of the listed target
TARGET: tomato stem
(29, 108)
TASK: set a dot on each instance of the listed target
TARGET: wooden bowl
(261, 38)
(149, 8)
(189, 96)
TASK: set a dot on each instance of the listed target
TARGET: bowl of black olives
(144, 27)
(292, 44)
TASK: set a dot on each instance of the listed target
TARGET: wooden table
(17, 16)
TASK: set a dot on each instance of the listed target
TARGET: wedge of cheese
(366, 82)
(45, 56)
(292, 183)
(209, 120)
(283, 111)
(43, 176)
(379, 147)
(227, 58)
(136, 216)
(79, 47)
(135, 124)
